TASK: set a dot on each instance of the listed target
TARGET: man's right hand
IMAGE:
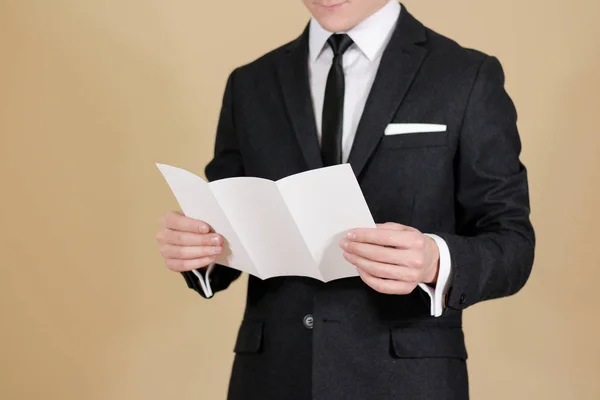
(186, 243)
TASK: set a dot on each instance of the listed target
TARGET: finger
(189, 252)
(383, 237)
(180, 222)
(386, 286)
(411, 259)
(395, 227)
(390, 255)
(188, 265)
(169, 236)
(382, 270)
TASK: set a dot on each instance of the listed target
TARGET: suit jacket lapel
(292, 70)
(400, 63)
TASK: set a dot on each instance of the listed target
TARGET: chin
(335, 23)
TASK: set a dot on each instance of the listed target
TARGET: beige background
(93, 92)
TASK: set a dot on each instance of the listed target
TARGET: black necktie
(333, 105)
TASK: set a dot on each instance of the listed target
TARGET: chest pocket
(415, 140)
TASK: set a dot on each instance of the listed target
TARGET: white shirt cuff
(205, 281)
(443, 282)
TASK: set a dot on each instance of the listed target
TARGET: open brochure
(291, 227)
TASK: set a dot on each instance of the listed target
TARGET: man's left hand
(392, 258)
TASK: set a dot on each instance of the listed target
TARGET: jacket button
(308, 321)
(463, 298)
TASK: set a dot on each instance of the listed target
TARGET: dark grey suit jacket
(466, 185)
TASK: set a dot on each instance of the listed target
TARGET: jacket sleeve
(220, 279)
(492, 250)
(226, 163)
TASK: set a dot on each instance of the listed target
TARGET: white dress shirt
(360, 62)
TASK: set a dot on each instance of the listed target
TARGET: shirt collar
(370, 36)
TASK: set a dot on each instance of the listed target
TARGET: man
(450, 196)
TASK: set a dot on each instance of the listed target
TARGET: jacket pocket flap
(250, 337)
(428, 343)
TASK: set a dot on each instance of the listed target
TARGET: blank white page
(326, 203)
(259, 215)
(197, 201)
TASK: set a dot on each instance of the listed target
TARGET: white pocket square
(403, 129)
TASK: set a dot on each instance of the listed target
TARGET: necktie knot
(339, 43)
